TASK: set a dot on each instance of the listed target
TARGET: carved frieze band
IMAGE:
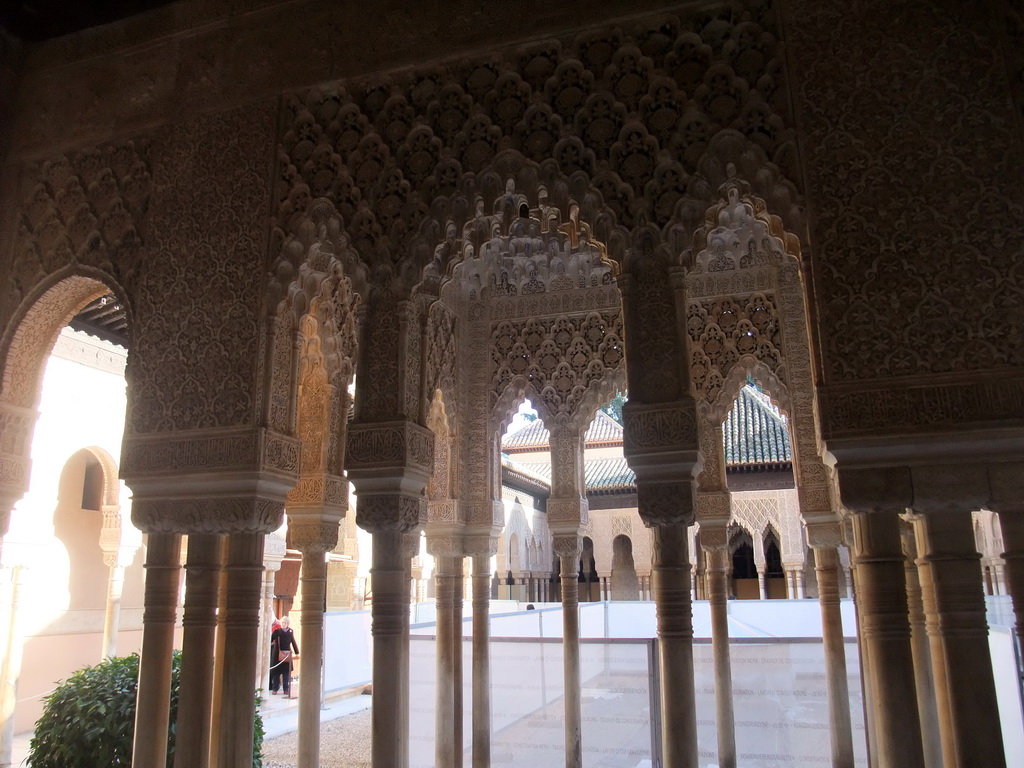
(883, 409)
(209, 451)
(329, 490)
(572, 511)
(243, 514)
(389, 445)
(659, 426)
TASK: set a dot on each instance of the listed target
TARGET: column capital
(274, 550)
(668, 503)
(825, 534)
(568, 514)
(940, 488)
(714, 535)
(314, 537)
(876, 489)
(379, 512)
(481, 543)
(567, 545)
(1006, 487)
(447, 542)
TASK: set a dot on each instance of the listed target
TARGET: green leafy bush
(89, 719)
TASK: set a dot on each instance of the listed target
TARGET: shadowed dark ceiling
(38, 20)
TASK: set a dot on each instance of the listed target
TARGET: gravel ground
(344, 743)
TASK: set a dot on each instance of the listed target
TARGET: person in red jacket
(282, 644)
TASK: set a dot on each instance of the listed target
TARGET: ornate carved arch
(25, 347)
(746, 315)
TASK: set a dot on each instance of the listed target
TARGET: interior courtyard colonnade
(457, 212)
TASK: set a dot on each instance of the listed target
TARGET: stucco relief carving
(85, 208)
(951, 157)
(215, 515)
(312, 538)
(390, 512)
(661, 504)
(402, 156)
(390, 445)
(210, 452)
(658, 426)
(754, 325)
(192, 349)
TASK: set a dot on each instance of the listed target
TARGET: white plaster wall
(82, 405)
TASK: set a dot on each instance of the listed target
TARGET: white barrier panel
(1006, 668)
(526, 703)
(348, 652)
(780, 703)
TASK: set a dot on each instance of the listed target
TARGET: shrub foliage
(89, 719)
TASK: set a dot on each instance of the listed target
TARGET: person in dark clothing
(282, 644)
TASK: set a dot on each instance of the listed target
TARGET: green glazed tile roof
(603, 430)
(755, 432)
(610, 475)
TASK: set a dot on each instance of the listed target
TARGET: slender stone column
(221, 652)
(152, 712)
(199, 634)
(718, 596)
(885, 630)
(568, 549)
(410, 549)
(670, 581)
(762, 582)
(482, 657)
(930, 734)
(390, 625)
(448, 575)
(241, 638)
(112, 614)
(824, 540)
(956, 618)
(314, 541)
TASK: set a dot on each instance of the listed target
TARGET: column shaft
(449, 577)
(481, 662)
(930, 734)
(886, 634)
(241, 638)
(314, 595)
(671, 585)
(718, 575)
(152, 712)
(112, 615)
(971, 735)
(826, 567)
(199, 635)
(390, 602)
(571, 654)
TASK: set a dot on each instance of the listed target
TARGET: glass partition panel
(348, 652)
(780, 703)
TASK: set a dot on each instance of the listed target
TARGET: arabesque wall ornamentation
(919, 218)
